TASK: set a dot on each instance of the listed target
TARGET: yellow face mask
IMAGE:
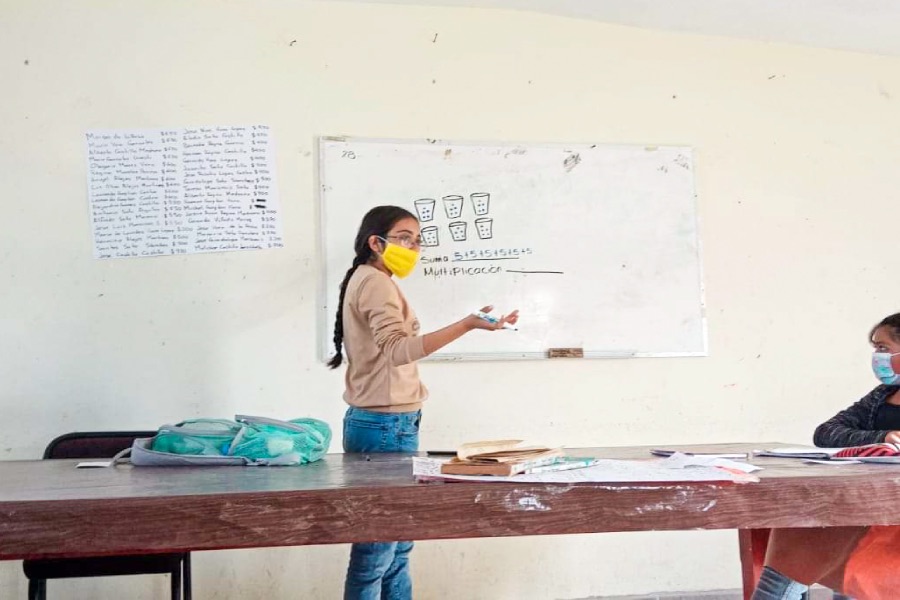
(399, 260)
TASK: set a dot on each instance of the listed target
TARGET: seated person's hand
(893, 437)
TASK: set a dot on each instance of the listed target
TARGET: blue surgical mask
(881, 366)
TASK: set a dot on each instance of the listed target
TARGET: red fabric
(861, 562)
(870, 450)
(873, 569)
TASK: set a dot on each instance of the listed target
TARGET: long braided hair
(377, 221)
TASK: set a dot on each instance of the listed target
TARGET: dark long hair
(892, 322)
(377, 221)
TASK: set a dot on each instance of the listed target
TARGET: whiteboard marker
(490, 319)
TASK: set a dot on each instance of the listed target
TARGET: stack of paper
(875, 453)
(676, 468)
(509, 457)
(799, 452)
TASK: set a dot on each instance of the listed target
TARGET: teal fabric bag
(297, 441)
(247, 440)
(205, 437)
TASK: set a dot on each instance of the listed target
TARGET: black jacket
(855, 426)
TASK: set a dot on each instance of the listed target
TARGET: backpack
(245, 441)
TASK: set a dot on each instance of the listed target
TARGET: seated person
(876, 417)
(837, 556)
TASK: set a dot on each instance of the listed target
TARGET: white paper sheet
(606, 471)
(182, 191)
(681, 461)
(798, 452)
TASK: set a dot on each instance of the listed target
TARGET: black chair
(99, 445)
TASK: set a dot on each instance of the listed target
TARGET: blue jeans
(773, 585)
(380, 570)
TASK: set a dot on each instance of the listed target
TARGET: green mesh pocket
(298, 441)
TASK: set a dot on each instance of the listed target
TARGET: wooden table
(50, 509)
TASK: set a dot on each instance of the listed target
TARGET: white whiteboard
(597, 246)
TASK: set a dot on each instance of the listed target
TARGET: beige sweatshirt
(382, 345)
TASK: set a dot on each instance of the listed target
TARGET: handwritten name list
(182, 191)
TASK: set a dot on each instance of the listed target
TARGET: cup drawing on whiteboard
(453, 206)
(481, 202)
(425, 208)
(484, 226)
(458, 231)
(430, 237)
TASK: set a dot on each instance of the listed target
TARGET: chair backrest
(93, 444)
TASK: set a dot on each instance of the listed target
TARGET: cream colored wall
(797, 185)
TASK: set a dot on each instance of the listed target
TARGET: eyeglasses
(407, 241)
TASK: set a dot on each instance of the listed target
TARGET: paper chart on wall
(156, 192)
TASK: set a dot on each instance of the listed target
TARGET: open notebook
(874, 453)
(798, 452)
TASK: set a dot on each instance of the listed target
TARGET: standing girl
(379, 333)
